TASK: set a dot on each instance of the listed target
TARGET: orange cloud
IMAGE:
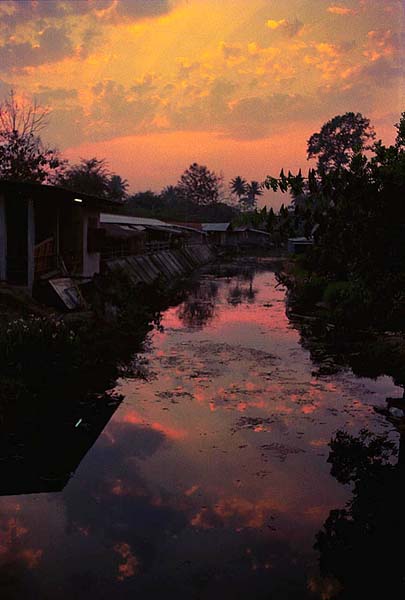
(271, 24)
(380, 44)
(341, 10)
(236, 512)
(289, 27)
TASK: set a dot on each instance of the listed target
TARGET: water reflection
(211, 478)
(198, 309)
(359, 544)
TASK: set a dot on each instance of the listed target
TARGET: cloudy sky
(238, 85)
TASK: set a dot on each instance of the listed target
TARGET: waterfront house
(193, 231)
(249, 236)
(218, 233)
(299, 245)
(157, 235)
(47, 231)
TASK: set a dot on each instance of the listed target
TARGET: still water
(211, 478)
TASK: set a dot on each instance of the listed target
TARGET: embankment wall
(169, 265)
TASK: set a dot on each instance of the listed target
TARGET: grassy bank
(46, 356)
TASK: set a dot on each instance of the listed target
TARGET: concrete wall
(169, 265)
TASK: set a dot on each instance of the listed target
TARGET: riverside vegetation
(353, 204)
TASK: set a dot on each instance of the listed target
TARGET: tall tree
(92, 176)
(400, 137)
(200, 185)
(23, 156)
(238, 186)
(339, 140)
(118, 188)
(253, 189)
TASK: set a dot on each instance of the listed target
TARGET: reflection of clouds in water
(141, 527)
(208, 482)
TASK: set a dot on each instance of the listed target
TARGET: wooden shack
(46, 231)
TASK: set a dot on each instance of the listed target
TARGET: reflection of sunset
(219, 457)
(216, 386)
(169, 432)
(129, 566)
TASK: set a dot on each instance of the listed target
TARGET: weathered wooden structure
(250, 236)
(46, 230)
(218, 233)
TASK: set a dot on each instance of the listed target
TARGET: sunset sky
(238, 85)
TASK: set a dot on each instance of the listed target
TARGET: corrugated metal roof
(121, 231)
(252, 229)
(216, 226)
(128, 220)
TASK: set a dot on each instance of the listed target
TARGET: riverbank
(330, 326)
(44, 351)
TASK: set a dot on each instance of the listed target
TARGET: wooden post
(30, 244)
(3, 239)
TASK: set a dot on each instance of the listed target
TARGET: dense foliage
(357, 212)
(200, 185)
(91, 176)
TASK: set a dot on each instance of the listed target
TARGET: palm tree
(238, 186)
(253, 189)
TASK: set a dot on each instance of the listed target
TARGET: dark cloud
(287, 27)
(29, 9)
(120, 111)
(5, 88)
(293, 28)
(255, 116)
(137, 9)
(25, 10)
(381, 71)
(52, 45)
(47, 94)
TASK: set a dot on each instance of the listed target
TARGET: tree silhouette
(238, 186)
(117, 188)
(254, 189)
(198, 308)
(200, 185)
(359, 544)
(339, 140)
(400, 137)
(23, 156)
(91, 176)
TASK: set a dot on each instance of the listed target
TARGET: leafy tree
(400, 127)
(91, 176)
(238, 186)
(117, 188)
(200, 185)
(23, 156)
(253, 189)
(339, 140)
(170, 193)
(360, 217)
(271, 220)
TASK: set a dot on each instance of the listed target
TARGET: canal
(211, 479)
